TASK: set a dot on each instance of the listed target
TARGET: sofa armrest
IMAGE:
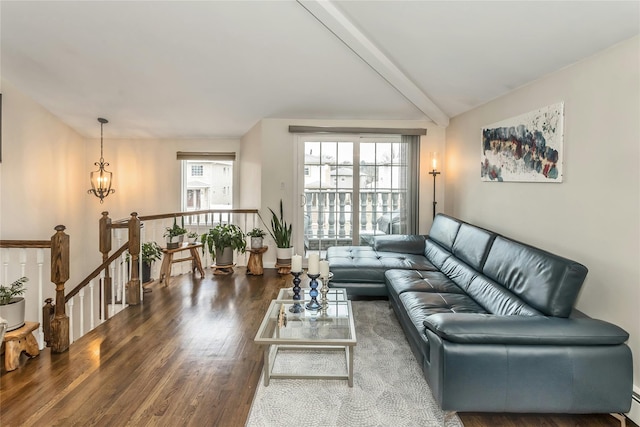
(401, 243)
(491, 329)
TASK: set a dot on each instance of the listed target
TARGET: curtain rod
(332, 129)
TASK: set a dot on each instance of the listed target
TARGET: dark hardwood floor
(184, 357)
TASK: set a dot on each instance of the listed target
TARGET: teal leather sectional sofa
(491, 321)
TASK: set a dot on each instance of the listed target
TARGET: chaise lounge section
(492, 322)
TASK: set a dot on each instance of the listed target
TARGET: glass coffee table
(332, 295)
(282, 330)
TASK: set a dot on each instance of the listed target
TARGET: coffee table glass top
(334, 294)
(309, 327)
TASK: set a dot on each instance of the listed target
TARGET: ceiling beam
(336, 22)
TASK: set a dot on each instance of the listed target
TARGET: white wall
(278, 165)
(42, 184)
(593, 216)
(147, 174)
(251, 168)
(44, 178)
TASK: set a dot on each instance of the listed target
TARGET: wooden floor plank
(186, 356)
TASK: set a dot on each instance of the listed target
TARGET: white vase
(225, 256)
(173, 242)
(256, 242)
(13, 313)
(284, 255)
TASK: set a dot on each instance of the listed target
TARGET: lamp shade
(434, 160)
(101, 181)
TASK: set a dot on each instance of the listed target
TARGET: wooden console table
(17, 341)
(254, 266)
(168, 261)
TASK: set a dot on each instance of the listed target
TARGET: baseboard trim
(634, 413)
(620, 417)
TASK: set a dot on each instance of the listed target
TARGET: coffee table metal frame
(274, 344)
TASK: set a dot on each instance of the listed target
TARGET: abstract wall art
(525, 148)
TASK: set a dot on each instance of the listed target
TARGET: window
(356, 187)
(207, 180)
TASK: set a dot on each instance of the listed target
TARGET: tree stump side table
(223, 269)
(283, 268)
(17, 341)
(254, 266)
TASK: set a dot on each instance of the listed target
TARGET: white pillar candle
(314, 264)
(324, 268)
(296, 263)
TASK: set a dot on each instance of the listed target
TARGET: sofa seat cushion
(399, 281)
(420, 305)
(363, 264)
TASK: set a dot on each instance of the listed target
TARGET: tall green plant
(280, 231)
(151, 251)
(222, 236)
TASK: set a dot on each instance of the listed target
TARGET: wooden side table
(17, 341)
(283, 268)
(168, 261)
(254, 266)
(223, 269)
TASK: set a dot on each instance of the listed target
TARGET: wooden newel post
(59, 276)
(47, 316)
(105, 248)
(133, 287)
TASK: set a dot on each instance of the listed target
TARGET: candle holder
(296, 307)
(323, 291)
(313, 293)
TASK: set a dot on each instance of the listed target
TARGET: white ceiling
(200, 69)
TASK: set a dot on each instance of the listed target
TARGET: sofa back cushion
(545, 281)
(406, 243)
(436, 254)
(498, 300)
(472, 245)
(444, 230)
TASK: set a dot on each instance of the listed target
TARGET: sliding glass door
(352, 188)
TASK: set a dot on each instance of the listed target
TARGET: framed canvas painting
(525, 148)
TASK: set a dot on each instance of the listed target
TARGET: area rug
(388, 386)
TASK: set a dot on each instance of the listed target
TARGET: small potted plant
(192, 237)
(12, 304)
(221, 241)
(257, 234)
(175, 234)
(281, 233)
(151, 252)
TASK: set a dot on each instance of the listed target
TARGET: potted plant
(281, 232)
(221, 241)
(175, 234)
(257, 234)
(12, 304)
(151, 252)
(192, 237)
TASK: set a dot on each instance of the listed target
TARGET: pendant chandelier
(101, 179)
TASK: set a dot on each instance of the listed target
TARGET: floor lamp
(434, 172)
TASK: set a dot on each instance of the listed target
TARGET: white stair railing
(29, 262)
